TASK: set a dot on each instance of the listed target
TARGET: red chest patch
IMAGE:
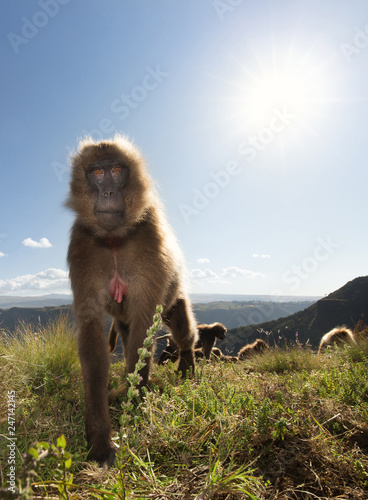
(117, 286)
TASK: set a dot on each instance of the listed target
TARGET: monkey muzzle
(109, 209)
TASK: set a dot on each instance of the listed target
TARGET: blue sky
(252, 116)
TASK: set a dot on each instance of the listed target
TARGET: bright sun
(297, 85)
(279, 90)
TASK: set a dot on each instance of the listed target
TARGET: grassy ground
(285, 425)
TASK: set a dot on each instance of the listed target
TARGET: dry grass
(285, 425)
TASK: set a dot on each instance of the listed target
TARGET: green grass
(285, 425)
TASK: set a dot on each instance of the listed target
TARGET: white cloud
(235, 272)
(43, 243)
(203, 261)
(2, 254)
(50, 280)
(200, 276)
(203, 274)
(261, 256)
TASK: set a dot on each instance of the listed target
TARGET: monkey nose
(108, 193)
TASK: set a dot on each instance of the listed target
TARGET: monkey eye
(98, 173)
(116, 169)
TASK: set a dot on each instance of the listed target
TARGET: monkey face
(107, 180)
(220, 331)
(221, 334)
(110, 189)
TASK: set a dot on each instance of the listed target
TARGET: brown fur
(198, 353)
(207, 338)
(170, 353)
(144, 253)
(208, 335)
(257, 347)
(229, 359)
(339, 336)
(218, 355)
(216, 352)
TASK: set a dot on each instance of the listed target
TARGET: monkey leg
(94, 358)
(182, 324)
(133, 337)
(123, 329)
(207, 347)
(170, 353)
(113, 336)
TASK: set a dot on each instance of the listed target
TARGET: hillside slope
(345, 306)
(236, 313)
(10, 318)
(232, 314)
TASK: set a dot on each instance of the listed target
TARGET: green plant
(63, 459)
(130, 407)
(238, 431)
(228, 479)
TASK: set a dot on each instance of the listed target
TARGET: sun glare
(278, 90)
(298, 91)
(285, 80)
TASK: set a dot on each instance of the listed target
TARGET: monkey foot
(103, 457)
(186, 363)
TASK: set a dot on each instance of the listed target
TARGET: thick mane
(138, 207)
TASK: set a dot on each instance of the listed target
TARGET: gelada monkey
(123, 260)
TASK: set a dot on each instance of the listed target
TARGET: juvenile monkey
(207, 339)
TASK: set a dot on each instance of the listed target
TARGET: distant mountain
(232, 314)
(54, 300)
(245, 320)
(229, 297)
(10, 318)
(235, 313)
(345, 306)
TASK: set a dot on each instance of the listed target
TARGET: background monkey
(123, 259)
(249, 350)
(207, 335)
(340, 335)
